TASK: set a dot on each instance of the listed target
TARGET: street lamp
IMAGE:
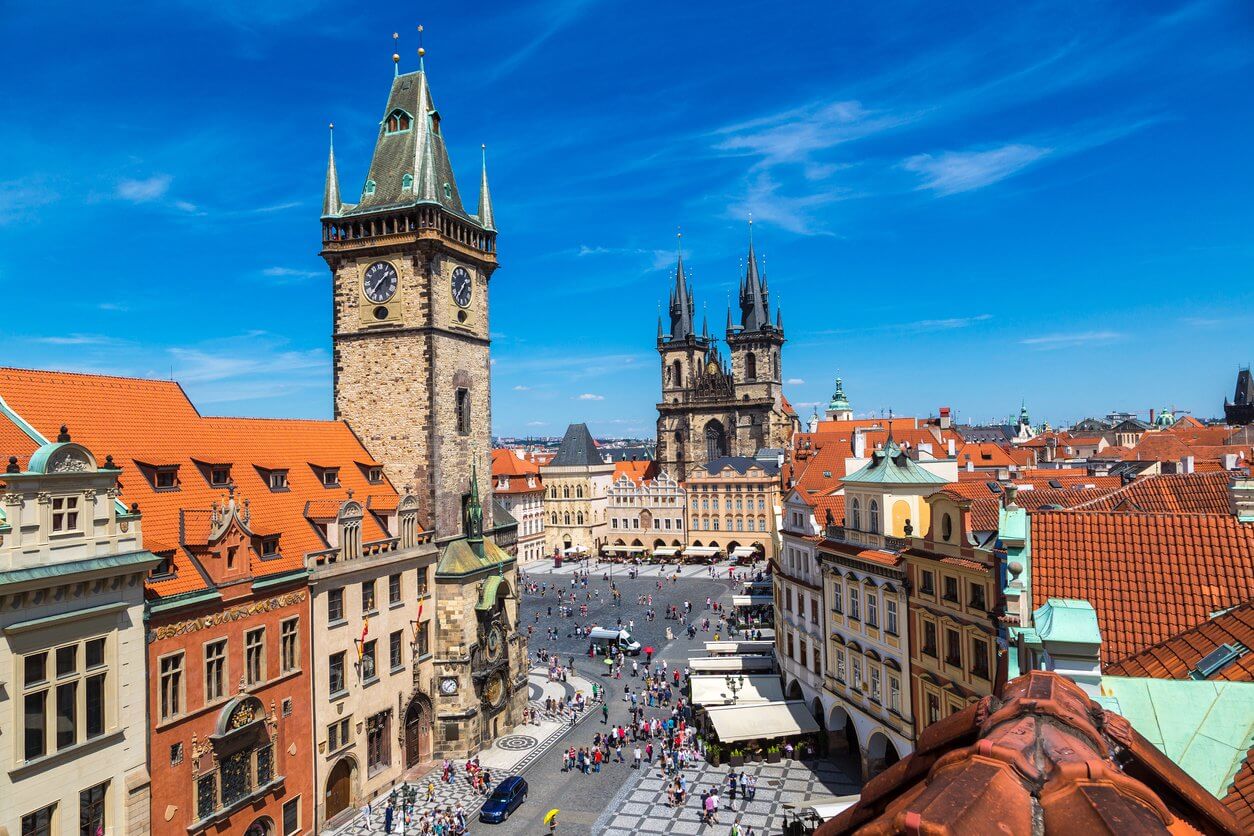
(734, 684)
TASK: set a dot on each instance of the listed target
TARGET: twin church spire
(410, 165)
(754, 303)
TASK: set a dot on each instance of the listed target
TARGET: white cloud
(951, 172)
(794, 136)
(144, 191)
(79, 339)
(766, 200)
(521, 388)
(537, 423)
(1051, 341)
(794, 381)
(113, 306)
(588, 396)
(290, 273)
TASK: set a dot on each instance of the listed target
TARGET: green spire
(331, 205)
(487, 218)
(474, 511)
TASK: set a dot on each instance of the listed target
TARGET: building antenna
(396, 53)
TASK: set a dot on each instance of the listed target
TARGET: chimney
(946, 421)
(1230, 461)
(1241, 498)
(970, 466)
(1186, 464)
(953, 451)
(859, 444)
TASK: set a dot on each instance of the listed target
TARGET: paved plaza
(642, 806)
(618, 800)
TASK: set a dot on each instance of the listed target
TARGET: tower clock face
(461, 287)
(379, 282)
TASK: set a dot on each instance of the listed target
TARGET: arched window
(677, 374)
(398, 121)
(751, 366)
(579, 491)
(875, 515)
(855, 514)
(565, 491)
(566, 518)
(715, 441)
(579, 518)
(554, 518)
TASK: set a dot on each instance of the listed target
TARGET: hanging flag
(365, 631)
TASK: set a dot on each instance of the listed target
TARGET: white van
(616, 639)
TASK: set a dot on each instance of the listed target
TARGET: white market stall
(713, 690)
(730, 664)
(740, 648)
(760, 721)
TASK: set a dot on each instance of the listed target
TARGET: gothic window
(875, 515)
(855, 514)
(715, 441)
(463, 411)
(398, 121)
(677, 378)
(579, 491)
(751, 366)
(566, 518)
(555, 518)
(775, 357)
(579, 518)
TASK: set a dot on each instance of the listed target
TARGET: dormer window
(398, 122)
(64, 514)
(330, 477)
(220, 475)
(407, 183)
(278, 480)
(374, 475)
(369, 187)
(448, 192)
(165, 478)
(269, 546)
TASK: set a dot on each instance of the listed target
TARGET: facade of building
(411, 268)
(711, 408)
(646, 508)
(72, 569)
(733, 501)
(576, 501)
(519, 489)
(868, 642)
(954, 635)
(371, 615)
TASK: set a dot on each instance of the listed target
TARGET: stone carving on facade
(191, 625)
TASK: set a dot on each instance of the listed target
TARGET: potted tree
(713, 754)
(736, 757)
(772, 754)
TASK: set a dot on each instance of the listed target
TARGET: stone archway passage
(339, 788)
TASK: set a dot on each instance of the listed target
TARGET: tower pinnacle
(487, 218)
(331, 191)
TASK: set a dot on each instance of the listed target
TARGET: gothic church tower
(710, 407)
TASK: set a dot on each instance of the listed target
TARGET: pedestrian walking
(387, 818)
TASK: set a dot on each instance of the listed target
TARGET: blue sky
(958, 204)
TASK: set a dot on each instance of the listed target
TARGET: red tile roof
(1240, 797)
(153, 422)
(506, 465)
(1148, 576)
(1177, 657)
(1040, 758)
(1184, 493)
(985, 454)
(637, 471)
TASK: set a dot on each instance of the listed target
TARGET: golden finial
(421, 51)
(396, 48)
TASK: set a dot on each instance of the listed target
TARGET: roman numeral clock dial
(461, 287)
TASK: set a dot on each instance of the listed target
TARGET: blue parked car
(504, 800)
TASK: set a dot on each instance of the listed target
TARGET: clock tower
(410, 269)
(410, 273)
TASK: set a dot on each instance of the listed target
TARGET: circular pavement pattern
(516, 742)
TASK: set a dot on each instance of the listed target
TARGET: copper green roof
(410, 166)
(891, 466)
(839, 401)
(488, 592)
(459, 558)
